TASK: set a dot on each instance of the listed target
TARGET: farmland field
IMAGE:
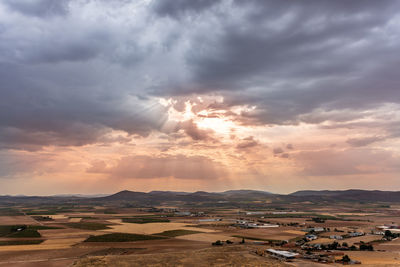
(122, 237)
(151, 228)
(151, 236)
(230, 256)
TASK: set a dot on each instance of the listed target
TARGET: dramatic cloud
(194, 132)
(247, 142)
(179, 167)
(223, 83)
(364, 141)
(38, 8)
(348, 162)
(176, 8)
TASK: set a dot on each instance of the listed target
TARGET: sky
(98, 96)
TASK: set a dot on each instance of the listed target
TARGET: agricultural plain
(104, 232)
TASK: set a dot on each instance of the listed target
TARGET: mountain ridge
(229, 195)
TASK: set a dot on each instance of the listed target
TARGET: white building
(255, 212)
(261, 225)
(282, 254)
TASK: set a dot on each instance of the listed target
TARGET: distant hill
(199, 196)
(351, 195)
(245, 192)
(81, 195)
(231, 196)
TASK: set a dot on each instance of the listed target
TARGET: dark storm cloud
(290, 59)
(175, 8)
(73, 70)
(63, 111)
(38, 8)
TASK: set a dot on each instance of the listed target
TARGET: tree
(217, 243)
(366, 247)
(388, 233)
(345, 244)
(346, 259)
(318, 220)
(334, 245)
(243, 241)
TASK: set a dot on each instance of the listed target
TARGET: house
(315, 229)
(281, 254)
(311, 237)
(241, 222)
(337, 237)
(354, 234)
(377, 233)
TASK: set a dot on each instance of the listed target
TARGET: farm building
(311, 237)
(281, 254)
(315, 229)
(356, 234)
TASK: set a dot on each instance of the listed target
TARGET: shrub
(346, 259)
(217, 243)
(366, 247)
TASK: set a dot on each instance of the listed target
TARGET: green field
(173, 233)
(121, 237)
(144, 220)
(19, 231)
(43, 227)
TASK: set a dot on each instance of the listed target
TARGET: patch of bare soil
(223, 256)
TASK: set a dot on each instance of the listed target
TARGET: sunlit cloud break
(100, 96)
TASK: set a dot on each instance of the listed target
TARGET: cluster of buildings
(394, 228)
(341, 237)
(247, 224)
